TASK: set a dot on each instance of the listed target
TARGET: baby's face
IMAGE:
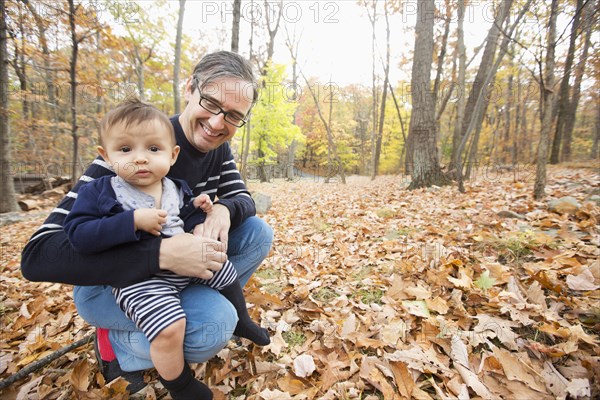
(141, 154)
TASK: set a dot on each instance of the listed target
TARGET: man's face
(205, 130)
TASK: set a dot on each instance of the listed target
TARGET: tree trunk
(373, 20)
(520, 120)
(475, 119)
(235, 28)
(7, 189)
(462, 68)
(379, 138)
(177, 66)
(48, 76)
(440, 62)
(246, 138)
(73, 81)
(292, 44)
(139, 73)
(595, 145)
(547, 84)
(332, 148)
(402, 130)
(426, 169)
(487, 60)
(588, 24)
(563, 97)
(272, 30)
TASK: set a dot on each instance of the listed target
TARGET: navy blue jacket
(98, 221)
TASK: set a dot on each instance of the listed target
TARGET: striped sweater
(48, 256)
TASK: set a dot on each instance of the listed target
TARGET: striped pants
(154, 304)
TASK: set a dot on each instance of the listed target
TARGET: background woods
(460, 106)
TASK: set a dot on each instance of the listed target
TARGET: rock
(263, 202)
(10, 218)
(564, 205)
(510, 214)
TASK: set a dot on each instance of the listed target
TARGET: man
(219, 96)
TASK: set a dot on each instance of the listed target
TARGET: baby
(138, 142)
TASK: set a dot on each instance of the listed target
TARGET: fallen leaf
(304, 366)
(275, 394)
(517, 368)
(417, 307)
(583, 281)
(460, 357)
(80, 376)
(484, 282)
(579, 388)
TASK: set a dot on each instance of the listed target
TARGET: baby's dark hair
(133, 111)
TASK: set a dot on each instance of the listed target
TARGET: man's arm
(232, 191)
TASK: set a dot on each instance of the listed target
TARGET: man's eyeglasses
(215, 109)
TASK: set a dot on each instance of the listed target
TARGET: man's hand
(190, 255)
(149, 220)
(216, 226)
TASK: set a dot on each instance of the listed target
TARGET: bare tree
(48, 70)
(596, 143)
(73, 80)
(272, 27)
(589, 13)
(75, 41)
(462, 68)
(177, 66)
(564, 96)
(426, 170)
(332, 147)
(487, 60)
(248, 127)
(235, 27)
(293, 43)
(379, 138)
(7, 192)
(474, 117)
(372, 14)
(547, 91)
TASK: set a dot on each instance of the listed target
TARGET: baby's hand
(149, 220)
(203, 201)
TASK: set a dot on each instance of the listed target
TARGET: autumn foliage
(372, 291)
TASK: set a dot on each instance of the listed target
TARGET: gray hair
(225, 64)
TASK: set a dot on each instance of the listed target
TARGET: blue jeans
(210, 318)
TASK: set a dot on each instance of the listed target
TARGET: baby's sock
(186, 387)
(245, 328)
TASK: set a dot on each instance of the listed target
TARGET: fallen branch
(44, 361)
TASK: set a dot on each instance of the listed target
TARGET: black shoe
(111, 370)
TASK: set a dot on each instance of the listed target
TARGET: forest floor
(375, 292)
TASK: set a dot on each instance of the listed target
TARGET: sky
(335, 36)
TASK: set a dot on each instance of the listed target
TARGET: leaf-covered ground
(375, 292)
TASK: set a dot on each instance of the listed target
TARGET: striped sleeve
(232, 191)
(55, 220)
